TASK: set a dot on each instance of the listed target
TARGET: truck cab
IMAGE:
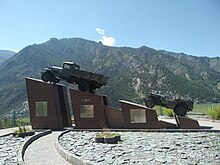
(70, 65)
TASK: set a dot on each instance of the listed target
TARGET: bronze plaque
(138, 116)
(86, 111)
(41, 108)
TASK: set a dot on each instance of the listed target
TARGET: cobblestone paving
(9, 147)
(146, 148)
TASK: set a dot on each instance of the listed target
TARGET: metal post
(14, 118)
(161, 111)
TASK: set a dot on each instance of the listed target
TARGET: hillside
(133, 72)
(5, 54)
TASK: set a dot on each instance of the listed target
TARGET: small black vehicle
(180, 107)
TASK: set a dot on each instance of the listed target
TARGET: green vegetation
(215, 113)
(98, 135)
(164, 111)
(106, 135)
(5, 123)
(1, 61)
(168, 112)
(22, 129)
(9, 122)
(110, 135)
(23, 121)
(212, 110)
(205, 108)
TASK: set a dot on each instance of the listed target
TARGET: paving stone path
(146, 148)
(43, 151)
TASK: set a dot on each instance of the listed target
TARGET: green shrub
(168, 112)
(22, 129)
(106, 135)
(23, 121)
(159, 110)
(215, 113)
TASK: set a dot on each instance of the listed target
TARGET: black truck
(179, 106)
(70, 72)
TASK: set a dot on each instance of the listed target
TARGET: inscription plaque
(87, 111)
(41, 108)
(138, 116)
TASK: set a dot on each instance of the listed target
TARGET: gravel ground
(9, 147)
(146, 148)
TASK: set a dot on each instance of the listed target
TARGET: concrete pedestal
(114, 118)
(49, 108)
(88, 109)
(48, 105)
(138, 116)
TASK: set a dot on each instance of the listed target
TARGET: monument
(49, 104)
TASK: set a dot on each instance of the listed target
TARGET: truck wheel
(180, 110)
(83, 86)
(54, 79)
(46, 76)
(149, 103)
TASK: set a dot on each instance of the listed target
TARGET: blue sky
(188, 26)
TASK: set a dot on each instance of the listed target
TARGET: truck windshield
(66, 66)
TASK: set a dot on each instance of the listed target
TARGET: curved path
(43, 151)
(6, 131)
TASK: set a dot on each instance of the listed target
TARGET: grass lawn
(198, 108)
(205, 108)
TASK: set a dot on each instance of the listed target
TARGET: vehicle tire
(180, 110)
(83, 86)
(149, 103)
(54, 79)
(46, 76)
(57, 80)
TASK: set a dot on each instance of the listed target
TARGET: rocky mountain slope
(5, 54)
(133, 72)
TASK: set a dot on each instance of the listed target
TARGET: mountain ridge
(5, 54)
(133, 72)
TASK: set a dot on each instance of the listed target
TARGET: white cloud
(16, 51)
(100, 31)
(109, 41)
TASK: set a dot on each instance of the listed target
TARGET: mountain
(133, 72)
(5, 54)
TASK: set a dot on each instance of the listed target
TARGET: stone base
(186, 123)
(167, 125)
